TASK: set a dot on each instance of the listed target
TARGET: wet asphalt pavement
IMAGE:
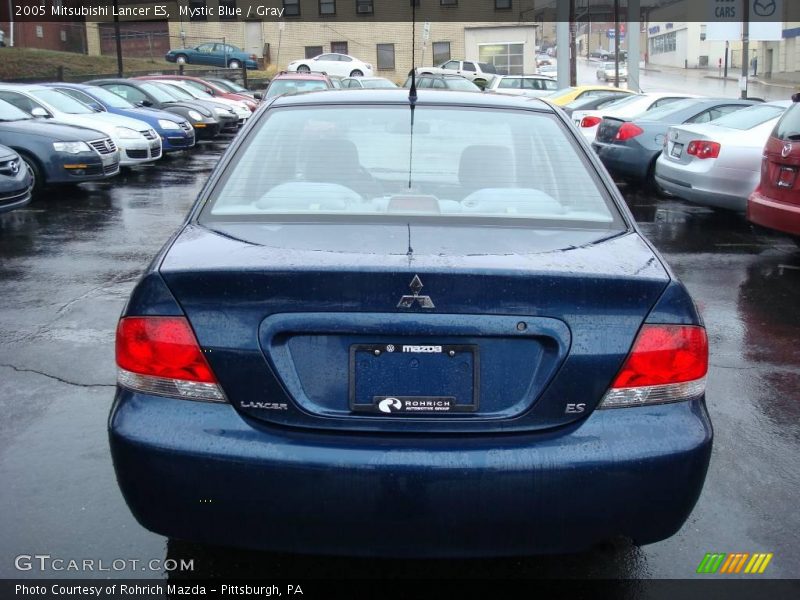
(69, 261)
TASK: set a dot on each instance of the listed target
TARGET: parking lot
(69, 260)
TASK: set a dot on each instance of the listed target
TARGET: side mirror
(258, 95)
(40, 113)
(146, 103)
(97, 107)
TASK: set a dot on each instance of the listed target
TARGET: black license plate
(414, 379)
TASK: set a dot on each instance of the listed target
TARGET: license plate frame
(786, 184)
(676, 151)
(394, 388)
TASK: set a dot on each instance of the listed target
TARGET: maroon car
(776, 201)
(210, 87)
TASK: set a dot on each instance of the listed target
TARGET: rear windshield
(664, 111)
(594, 102)
(294, 86)
(750, 117)
(788, 128)
(364, 160)
(487, 67)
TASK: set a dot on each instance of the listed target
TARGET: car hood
(57, 132)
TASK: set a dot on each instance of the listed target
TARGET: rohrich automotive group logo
(736, 562)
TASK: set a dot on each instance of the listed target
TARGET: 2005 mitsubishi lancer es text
(410, 325)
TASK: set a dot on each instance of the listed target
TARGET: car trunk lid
(313, 325)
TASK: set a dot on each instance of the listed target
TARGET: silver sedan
(718, 164)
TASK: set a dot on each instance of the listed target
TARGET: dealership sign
(725, 20)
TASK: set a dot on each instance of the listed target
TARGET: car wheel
(36, 173)
(181, 59)
(234, 64)
(356, 73)
(303, 69)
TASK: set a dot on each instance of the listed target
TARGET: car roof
(427, 97)
(294, 75)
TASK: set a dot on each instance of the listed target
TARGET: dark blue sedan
(176, 133)
(410, 326)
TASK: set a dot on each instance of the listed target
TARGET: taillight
(590, 121)
(161, 355)
(703, 149)
(628, 131)
(668, 363)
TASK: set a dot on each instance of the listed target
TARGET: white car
(239, 108)
(332, 63)
(718, 164)
(481, 74)
(534, 86)
(607, 72)
(589, 120)
(137, 141)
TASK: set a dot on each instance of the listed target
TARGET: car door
(468, 70)
(329, 63)
(452, 66)
(203, 54)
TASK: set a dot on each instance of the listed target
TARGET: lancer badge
(787, 150)
(408, 300)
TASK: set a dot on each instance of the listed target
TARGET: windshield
(178, 91)
(465, 85)
(750, 117)
(9, 112)
(593, 102)
(356, 160)
(159, 92)
(192, 91)
(667, 110)
(788, 128)
(294, 86)
(229, 85)
(377, 83)
(109, 98)
(624, 101)
(62, 102)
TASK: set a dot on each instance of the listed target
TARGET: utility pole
(117, 39)
(573, 66)
(616, 43)
(745, 47)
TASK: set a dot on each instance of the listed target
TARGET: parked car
(56, 153)
(776, 201)
(589, 120)
(210, 87)
(16, 181)
(594, 102)
(543, 60)
(581, 92)
(533, 86)
(368, 82)
(603, 54)
(548, 70)
(630, 146)
(214, 54)
(225, 109)
(234, 87)
(479, 73)
(608, 72)
(290, 346)
(332, 63)
(148, 94)
(293, 83)
(137, 142)
(718, 164)
(176, 132)
(443, 81)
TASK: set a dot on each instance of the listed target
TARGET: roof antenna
(412, 93)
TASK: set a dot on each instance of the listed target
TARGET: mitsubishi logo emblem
(787, 149)
(408, 300)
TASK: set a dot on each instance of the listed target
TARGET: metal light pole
(616, 43)
(745, 46)
(118, 40)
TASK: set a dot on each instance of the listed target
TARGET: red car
(776, 201)
(209, 87)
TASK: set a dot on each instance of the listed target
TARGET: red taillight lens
(665, 354)
(628, 131)
(703, 149)
(163, 347)
(590, 121)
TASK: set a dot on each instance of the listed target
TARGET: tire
(356, 73)
(234, 64)
(181, 59)
(303, 69)
(36, 172)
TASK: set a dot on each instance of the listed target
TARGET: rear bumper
(625, 161)
(704, 197)
(775, 215)
(202, 472)
(714, 186)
